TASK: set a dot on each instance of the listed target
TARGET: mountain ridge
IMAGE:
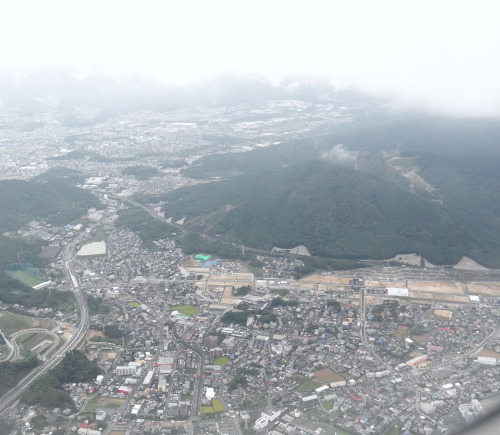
(335, 211)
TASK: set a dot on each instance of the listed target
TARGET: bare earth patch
(488, 353)
(443, 313)
(324, 279)
(325, 376)
(236, 280)
(68, 331)
(420, 338)
(384, 284)
(94, 333)
(452, 288)
(417, 294)
(484, 288)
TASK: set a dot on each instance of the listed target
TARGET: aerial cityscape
(183, 340)
(249, 218)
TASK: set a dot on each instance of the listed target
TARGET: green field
(215, 407)
(35, 340)
(134, 304)
(206, 410)
(10, 323)
(92, 405)
(103, 402)
(327, 404)
(23, 277)
(25, 337)
(188, 310)
(221, 361)
(307, 387)
(257, 400)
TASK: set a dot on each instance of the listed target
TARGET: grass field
(327, 404)
(257, 271)
(36, 340)
(24, 277)
(401, 331)
(104, 403)
(307, 387)
(134, 304)
(92, 405)
(188, 310)
(215, 407)
(10, 323)
(206, 410)
(25, 337)
(221, 361)
(258, 400)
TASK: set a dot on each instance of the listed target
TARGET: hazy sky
(444, 55)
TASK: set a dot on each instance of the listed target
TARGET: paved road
(16, 335)
(13, 395)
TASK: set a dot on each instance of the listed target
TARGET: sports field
(188, 310)
(307, 387)
(221, 361)
(24, 277)
(216, 407)
(105, 403)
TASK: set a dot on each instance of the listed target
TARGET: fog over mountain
(438, 57)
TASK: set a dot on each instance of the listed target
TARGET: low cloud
(340, 154)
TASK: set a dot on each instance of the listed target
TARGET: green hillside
(54, 201)
(334, 211)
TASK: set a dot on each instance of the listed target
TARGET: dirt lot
(416, 294)
(93, 333)
(420, 338)
(324, 279)
(488, 353)
(484, 288)
(227, 297)
(238, 280)
(68, 331)
(325, 376)
(443, 313)
(448, 287)
(385, 284)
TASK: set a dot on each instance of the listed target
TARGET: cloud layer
(438, 55)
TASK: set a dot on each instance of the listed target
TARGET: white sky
(440, 54)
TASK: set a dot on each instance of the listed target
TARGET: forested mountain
(54, 201)
(51, 199)
(369, 142)
(336, 211)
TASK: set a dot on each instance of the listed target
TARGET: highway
(15, 336)
(13, 395)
